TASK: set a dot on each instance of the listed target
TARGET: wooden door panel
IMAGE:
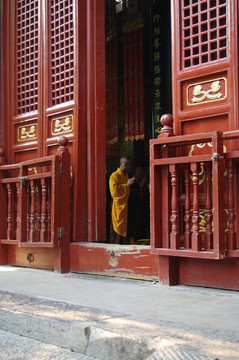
(59, 74)
(204, 65)
(25, 72)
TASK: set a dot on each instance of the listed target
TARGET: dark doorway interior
(138, 79)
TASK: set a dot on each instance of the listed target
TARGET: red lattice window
(61, 50)
(204, 31)
(26, 56)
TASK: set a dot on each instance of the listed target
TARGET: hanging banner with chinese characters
(156, 70)
(111, 67)
(133, 70)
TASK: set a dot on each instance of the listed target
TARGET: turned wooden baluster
(28, 211)
(10, 217)
(208, 207)
(231, 236)
(174, 218)
(32, 236)
(18, 236)
(196, 239)
(38, 211)
(187, 217)
(49, 209)
(43, 236)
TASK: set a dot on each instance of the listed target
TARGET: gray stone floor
(177, 323)
(15, 347)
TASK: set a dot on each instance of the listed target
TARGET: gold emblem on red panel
(207, 91)
(61, 125)
(27, 132)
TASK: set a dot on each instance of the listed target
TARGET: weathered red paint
(114, 260)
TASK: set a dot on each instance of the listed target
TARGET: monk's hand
(131, 181)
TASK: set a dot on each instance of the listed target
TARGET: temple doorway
(138, 81)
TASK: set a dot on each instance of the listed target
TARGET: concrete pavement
(118, 319)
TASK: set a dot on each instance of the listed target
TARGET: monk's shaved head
(123, 159)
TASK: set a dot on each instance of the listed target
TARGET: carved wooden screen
(204, 65)
(41, 75)
(27, 54)
(25, 77)
(61, 52)
(59, 75)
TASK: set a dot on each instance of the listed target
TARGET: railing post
(62, 253)
(168, 268)
(218, 196)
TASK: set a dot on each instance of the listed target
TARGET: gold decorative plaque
(62, 125)
(207, 91)
(27, 132)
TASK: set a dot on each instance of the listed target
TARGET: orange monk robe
(119, 190)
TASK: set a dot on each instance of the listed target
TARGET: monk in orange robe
(119, 184)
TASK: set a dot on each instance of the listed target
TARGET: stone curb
(82, 337)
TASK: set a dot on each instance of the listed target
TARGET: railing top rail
(188, 139)
(44, 161)
(228, 135)
(10, 167)
(182, 159)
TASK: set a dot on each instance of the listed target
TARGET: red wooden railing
(35, 200)
(194, 194)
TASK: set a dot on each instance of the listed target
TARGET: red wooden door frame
(95, 54)
(89, 179)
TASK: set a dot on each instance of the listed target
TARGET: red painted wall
(222, 274)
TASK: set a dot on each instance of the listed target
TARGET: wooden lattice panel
(204, 31)
(26, 56)
(61, 50)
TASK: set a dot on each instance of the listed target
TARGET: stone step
(87, 331)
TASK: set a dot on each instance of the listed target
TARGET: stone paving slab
(16, 347)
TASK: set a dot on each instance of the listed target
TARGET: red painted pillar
(62, 253)
(95, 116)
